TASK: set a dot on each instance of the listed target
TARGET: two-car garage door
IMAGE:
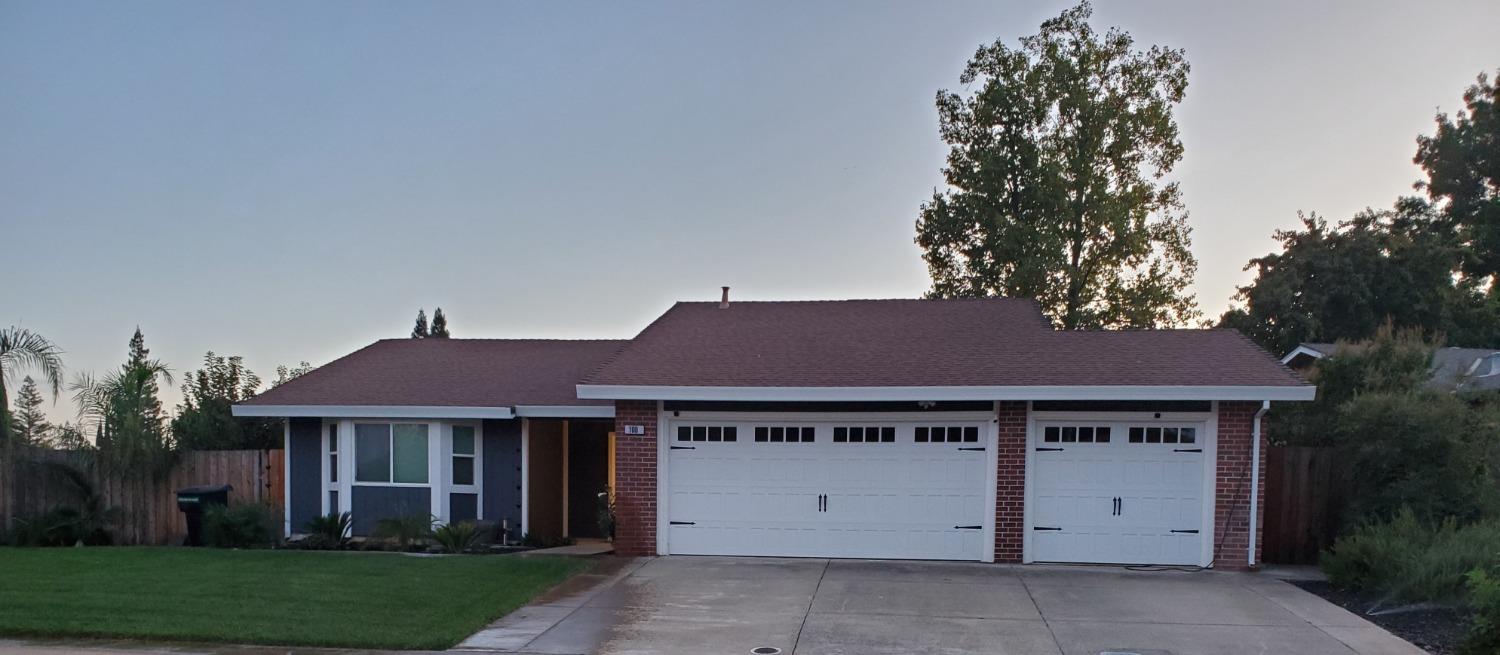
(1101, 490)
(859, 488)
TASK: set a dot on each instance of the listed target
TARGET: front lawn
(363, 600)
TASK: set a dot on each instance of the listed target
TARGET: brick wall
(1010, 491)
(1232, 498)
(635, 479)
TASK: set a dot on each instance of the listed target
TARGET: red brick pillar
(1232, 484)
(635, 478)
(1010, 490)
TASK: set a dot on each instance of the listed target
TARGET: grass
(305, 598)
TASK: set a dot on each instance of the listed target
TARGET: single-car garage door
(1118, 492)
(860, 487)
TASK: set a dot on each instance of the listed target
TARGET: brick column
(1010, 490)
(1232, 484)
(635, 479)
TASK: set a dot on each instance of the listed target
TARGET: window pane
(1169, 435)
(1085, 434)
(1052, 434)
(888, 435)
(333, 467)
(409, 453)
(1153, 435)
(971, 435)
(463, 440)
(372, 452)
(921, 435)
(463, 470)
(761, 433)
(715, 433)
(1070, 434)
(840, 435)
(1137, 435)
(808, 435)
(856, 435)
(684, 433)
(729, 433)
(700, 433)
(1189, 435)
(333, 438)
(776, 434)
(1101, 434)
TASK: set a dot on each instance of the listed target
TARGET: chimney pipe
(724, 299)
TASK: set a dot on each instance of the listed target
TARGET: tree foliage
(124, 412)
(285, 374)
(1462, 161)
(439, 324)
(29, 426)
(205, 419)
(22, 349)
(1055, 170)
(420, 330)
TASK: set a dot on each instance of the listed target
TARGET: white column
(436, 439)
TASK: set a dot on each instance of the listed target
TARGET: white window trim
(449, 486)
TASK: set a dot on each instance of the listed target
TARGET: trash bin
(193, 501)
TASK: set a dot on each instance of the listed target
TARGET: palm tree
(21, 349)
(121, 409)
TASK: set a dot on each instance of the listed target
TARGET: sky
(290, 181)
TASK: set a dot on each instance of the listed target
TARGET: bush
(62, 526)
(1405, 559)
(238, 526)
(405, 530)
(457, 537)
(1484, 598)
(329, 532)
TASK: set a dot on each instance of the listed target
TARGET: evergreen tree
(439, 324)
(421, 331)
(150, 401)
(29, 422)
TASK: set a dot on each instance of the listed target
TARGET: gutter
(1265, 406)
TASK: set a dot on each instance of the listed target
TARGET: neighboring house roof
(448, 373)
(984, 344)
(1453, 369)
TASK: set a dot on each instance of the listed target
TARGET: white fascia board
(1303, 350)
(851, 394)
(373, 411)
(566, 411)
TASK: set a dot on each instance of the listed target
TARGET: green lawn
(367, 600)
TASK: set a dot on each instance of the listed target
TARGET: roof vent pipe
(724, 299)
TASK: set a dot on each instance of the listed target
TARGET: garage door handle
(968, 527)
(1045, 450)
(1117, 505)
(1184, 532)
(684, 447)
(1187, 450)
(980, 448)
(682, 523)
(1042, 528)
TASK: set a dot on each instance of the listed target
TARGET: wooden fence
(147, 506)
(1302, 504)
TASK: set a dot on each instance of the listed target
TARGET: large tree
(205, 420)
(124, 412)
(439, 324)
(1462, 161)
(420, 330)
(1056, 167)
(22, 349)
(29, 424)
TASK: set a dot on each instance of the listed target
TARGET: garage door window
(1076, 434)
(1163, 435)
(885, 434)
(779, 434)
(948, 434)
(707, 433)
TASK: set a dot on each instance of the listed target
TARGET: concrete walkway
(707, 605)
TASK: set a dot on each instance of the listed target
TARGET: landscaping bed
(1439, 631)
(279, 597)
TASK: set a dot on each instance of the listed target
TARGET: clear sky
(290, 180)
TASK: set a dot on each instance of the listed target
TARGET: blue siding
(304, 473)
(502, 473)
(463, 507)
(368, 505)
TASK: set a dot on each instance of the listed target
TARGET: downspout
(1265, 406)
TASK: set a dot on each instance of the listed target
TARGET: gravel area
(1437, 631)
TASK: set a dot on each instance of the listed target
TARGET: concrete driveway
(705, 605)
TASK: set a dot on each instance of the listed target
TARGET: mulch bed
(1437, 631)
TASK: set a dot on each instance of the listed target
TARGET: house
(1453, 369)
(920, 429)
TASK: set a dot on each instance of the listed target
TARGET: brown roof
(450, 373)
(938, 343)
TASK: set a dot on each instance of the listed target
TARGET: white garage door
(1118, 492)
(861, 487)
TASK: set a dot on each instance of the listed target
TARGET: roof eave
(852, 394)
(372, 411)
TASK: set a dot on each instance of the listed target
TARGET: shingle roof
(939, 343)
(450, 373)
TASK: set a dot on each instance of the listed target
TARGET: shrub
(61, 526)
(1484, 598)
(238, 526)
(329, 532)
(457, 537)
(1405, 559)
(405, 530)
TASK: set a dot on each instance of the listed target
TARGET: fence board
(148, 507)
(1302, 501)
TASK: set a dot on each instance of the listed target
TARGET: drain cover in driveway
(1133, 651)
(766, 650)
